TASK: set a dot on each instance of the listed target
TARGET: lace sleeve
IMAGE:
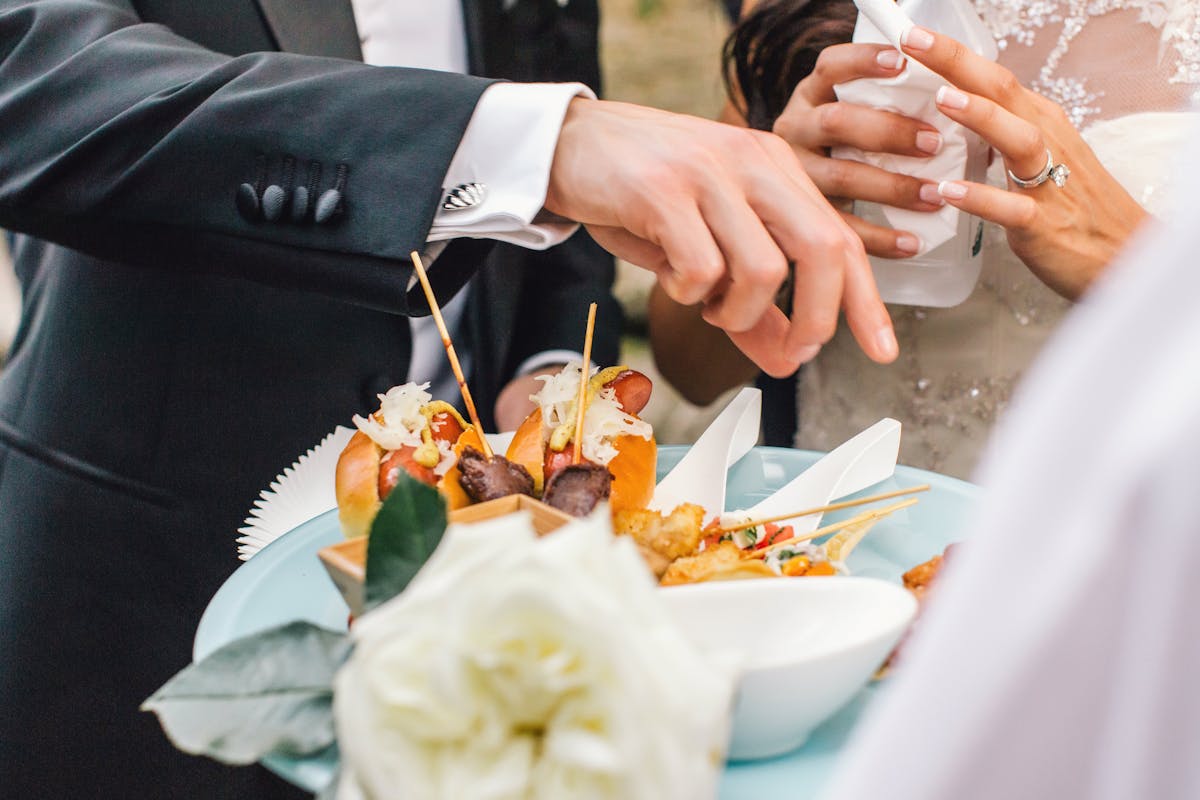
(1101, 59)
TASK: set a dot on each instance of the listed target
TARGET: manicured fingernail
(889, 59)
(907, 243)
(917, 38)
(952, 190)
(929, 142)
(950, 97)
(929, 194)
(885, 340)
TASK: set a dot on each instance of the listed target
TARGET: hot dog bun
(633, 471)
(356, 485)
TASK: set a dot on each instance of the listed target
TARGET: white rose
(518, 667)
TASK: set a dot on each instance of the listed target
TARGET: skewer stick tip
(455, 366)
(584, 376)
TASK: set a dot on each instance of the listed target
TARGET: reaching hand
(814, 121)
(1065, 234)
(718, 212)
(513, 404)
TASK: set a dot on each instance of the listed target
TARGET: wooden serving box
(346, 562)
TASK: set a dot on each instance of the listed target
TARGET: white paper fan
(302, 491)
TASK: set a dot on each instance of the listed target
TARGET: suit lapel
(313, 27)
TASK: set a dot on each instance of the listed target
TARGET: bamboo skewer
(449, 345)
(866, 516)
(731, 528)
(584, 377)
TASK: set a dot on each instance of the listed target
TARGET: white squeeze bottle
(945, 271)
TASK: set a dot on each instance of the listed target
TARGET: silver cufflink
(465, 195)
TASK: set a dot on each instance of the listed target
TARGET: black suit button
(327, 205)
(299, 204)
(247, 202)
(374, 386)
(273, 200)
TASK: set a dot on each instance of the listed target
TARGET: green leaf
(271, 692)
(405, 533)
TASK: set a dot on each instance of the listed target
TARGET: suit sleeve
(128, 142)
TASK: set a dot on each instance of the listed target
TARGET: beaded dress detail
(1125, 73)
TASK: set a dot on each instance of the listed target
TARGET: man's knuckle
(820, 325)
(768, 270)
(701, 270)
(662, 176)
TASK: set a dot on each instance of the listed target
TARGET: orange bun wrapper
(456, 496)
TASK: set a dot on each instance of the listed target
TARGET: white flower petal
(521, 667)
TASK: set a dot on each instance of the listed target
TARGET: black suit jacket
(175, 352)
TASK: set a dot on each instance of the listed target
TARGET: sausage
(632, 389)
(402, 459)
(442, 427)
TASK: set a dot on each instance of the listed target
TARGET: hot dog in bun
(411, 432)
(619, 451)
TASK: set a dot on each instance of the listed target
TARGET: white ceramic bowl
(806, 646)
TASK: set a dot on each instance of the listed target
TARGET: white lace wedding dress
(1127, 73)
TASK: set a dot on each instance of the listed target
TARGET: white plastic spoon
(700, 476)
(862, 461)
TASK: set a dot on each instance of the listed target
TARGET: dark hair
(774, 47)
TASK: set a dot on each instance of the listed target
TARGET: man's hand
(718, 212)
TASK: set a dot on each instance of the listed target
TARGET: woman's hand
(814, 121)
(1065, 235)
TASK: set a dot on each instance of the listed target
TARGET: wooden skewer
(584, 377)
(731, 528)
(866, 516)
(454, 365)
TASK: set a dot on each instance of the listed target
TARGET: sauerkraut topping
(404, 419)
(447, 457)
(399, 421)
(603, 422)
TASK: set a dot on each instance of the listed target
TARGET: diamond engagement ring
(1051, 172)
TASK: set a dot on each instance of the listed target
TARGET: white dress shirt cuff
(509, 147)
